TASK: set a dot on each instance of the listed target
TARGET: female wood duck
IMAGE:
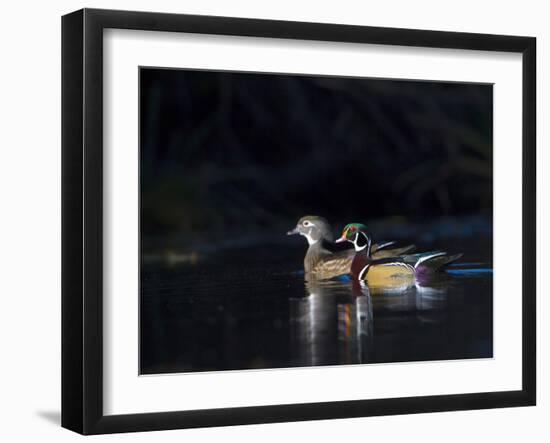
(381, 271)
(322, 263)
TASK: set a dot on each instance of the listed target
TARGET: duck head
(357, 234)
(313, 228)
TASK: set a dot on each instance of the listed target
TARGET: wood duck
(389, 270)
(322, 263)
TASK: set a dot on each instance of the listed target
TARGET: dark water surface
(251, 308)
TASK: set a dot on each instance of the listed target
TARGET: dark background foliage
(242, 152)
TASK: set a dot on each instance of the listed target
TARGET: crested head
(351, 229)
(357, 234)
(314, 228)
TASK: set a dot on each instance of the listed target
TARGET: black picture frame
(82, 220)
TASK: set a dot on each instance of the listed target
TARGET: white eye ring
(306, 223)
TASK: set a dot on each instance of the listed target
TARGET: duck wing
(423, 262)
(379, 246)
(431, 263)
(338, 263)
(392, 252)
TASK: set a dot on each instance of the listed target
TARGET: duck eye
(353, 229)
(306, 223)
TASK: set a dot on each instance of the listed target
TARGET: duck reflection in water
(335, 322)
(425, 297)
(332, 324)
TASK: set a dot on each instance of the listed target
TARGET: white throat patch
(310, 239)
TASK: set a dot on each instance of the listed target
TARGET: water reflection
(335, 322)
(218, 317)
(426, 299)
(332, 323)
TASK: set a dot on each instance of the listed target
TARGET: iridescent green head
(357, 234)
(349, 233)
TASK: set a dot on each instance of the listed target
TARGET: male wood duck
(388, 270)
(320, 262)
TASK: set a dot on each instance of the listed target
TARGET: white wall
(30, 217)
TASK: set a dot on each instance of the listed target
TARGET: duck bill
(341, 240)
(293, 231)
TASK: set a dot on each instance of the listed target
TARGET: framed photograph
(268, 221)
